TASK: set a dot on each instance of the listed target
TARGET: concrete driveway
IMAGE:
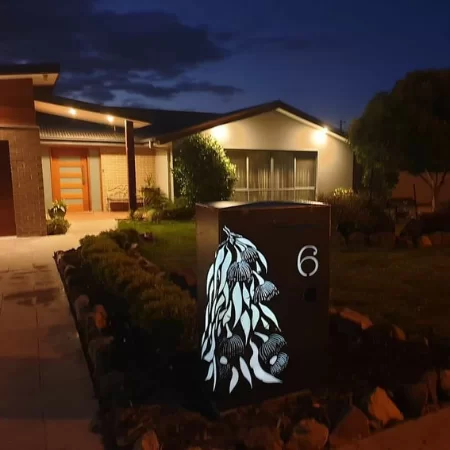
(46, 395)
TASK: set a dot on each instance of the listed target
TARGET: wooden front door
(7, 216)
(70, 178)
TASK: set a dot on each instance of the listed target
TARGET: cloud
(103, 52)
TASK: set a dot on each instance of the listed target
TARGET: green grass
(408, 287)
(174, 245)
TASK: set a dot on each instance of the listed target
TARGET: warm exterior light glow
(220, 133)
(72, 112)
(320, 136)
(110, 119)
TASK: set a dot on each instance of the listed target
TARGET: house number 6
(301, 260)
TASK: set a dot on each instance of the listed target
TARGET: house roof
(165, 125)
(45, 74)
(245, 113)
(64, 129)
(50, 104)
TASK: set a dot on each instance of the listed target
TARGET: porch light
(72, 112)
(110, 119)
(320, 136)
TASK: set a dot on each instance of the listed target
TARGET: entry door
(70, 178)
(7, 219)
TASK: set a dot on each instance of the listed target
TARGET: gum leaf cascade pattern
(242, 339)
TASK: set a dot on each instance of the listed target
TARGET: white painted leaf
(229, 333)
(245, 370)
(252, 288)
(204, 347)
(265, 323)
(210, 372)
(209, 356)
(214, 374)
(223, 360)
(244, 241)
(273, 359)
(259, 278)
(246, 296)
(234, 379)
(237, 303)
(209, 277)
(263, 260)
(255, 316)
(218, 304)
(263, 336)
(259, 372)
(246, 324)
(227, 316)
(223, 271)
(258, 267)
(269, 314)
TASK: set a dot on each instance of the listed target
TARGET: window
(274, 175)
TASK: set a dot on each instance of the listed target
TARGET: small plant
(178, 210)
(57, 225)
(154, 197)
(58, 209)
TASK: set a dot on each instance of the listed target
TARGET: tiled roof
(55, 128)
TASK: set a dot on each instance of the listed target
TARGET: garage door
(7, 221)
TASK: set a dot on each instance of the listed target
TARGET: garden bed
(136, 326)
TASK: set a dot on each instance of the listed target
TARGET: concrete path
(46, 395)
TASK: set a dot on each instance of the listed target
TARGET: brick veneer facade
(18, 127)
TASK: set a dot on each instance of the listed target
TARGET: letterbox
(263, 292)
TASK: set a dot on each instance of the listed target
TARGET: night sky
(325, 57)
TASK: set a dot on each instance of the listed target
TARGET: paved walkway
(46, 395)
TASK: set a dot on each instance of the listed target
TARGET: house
(58, 148)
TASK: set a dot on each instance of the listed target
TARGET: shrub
(202, 171)
(178, 210)
(352, 212)
(58, 210)
(155, 304)
(57, 225)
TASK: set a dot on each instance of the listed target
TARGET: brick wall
(28, 188)
(114, 168)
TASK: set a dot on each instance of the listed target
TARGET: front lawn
(406, 287)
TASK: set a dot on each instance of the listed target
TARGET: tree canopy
(407, 128)
(202, 171)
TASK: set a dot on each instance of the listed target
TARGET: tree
(408, 129)
(202, 171)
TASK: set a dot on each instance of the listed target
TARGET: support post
(131, 163)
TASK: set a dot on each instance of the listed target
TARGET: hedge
(154, 303)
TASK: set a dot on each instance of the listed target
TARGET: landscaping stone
(436, 238)
(381, 408)
(262, 438)
(308, 434)
(424, 242)
(89, 327)
(419, 398)
(149, 441)
(101, 317)
(355, 317)
(384, 334)
(353, 425)
(81, 306)
(99, 352)
(444, 382)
